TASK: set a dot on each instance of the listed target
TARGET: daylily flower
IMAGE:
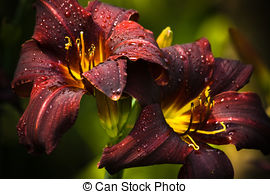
(199, 106)
(73, 51)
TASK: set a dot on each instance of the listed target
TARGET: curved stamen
(215, 131)
(68, 44)
(190, 142)
(91, 53)
(204, 115)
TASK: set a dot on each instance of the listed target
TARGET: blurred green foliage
(80, 149)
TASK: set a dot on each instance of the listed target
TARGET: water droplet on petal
(67, 14)
(182, 57)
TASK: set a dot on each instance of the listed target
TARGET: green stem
(117, 175)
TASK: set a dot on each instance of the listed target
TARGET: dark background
(79, 150)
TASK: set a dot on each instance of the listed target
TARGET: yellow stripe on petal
(165, 38)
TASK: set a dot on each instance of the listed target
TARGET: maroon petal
(51, 111)
(35, 63)
(141, 85)
(151, 141)
(207, 162)
(60, 18)
(131, 40)
(247, 125)
(108, 16)
(229, 75)
(190, 69)
(109, 77)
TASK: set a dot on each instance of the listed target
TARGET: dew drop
(132, 43)
(67, 14)
(182, 57)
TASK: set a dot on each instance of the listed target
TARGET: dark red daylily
(199, 106)
(73, 51)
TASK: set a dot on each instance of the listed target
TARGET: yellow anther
(165, 38)
(91, 51)
(207, 92)
(78, 43)
(68, 44)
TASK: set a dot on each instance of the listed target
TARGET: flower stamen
(190, 142)
(83, 63)
(192, 118)
(91, 53)
(68, 44)
(215, 131)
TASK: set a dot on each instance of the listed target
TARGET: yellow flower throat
(192, 117)
(89, 58)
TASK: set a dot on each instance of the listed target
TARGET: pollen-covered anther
(68, 44)
(91, 54)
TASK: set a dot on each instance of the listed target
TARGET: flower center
(89, 58)
(192, 118)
